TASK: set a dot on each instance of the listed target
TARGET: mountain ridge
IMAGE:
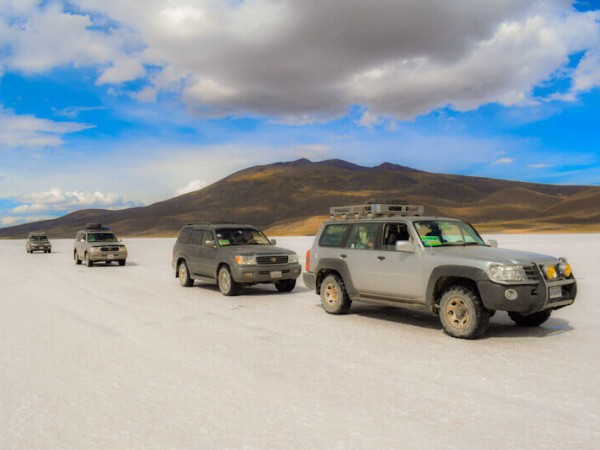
(294, 197)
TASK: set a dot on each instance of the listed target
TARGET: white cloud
(194, 185)
(300, 61)
(56, 200)
(30, 131)
(504, 161)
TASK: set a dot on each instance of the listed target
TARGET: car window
(363, 236)
(101, 237)
(197, 237)
(393, 232)
(434, 233)
(241, 236)
(333, 235)
(184, 236)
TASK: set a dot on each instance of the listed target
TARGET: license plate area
(555, 292)
(110, 256)
(276, 274)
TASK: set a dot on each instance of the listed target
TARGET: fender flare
(335, 265)
(474, 274)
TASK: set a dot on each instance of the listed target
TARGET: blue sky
(110, 104)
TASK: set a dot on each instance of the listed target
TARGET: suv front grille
(272, 259)
(532, 272)
(109, 248)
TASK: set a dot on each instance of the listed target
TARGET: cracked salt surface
(124, 357)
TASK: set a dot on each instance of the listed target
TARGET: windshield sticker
(431, 241)
(224, 242)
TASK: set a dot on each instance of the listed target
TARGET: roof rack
(374, 210)
(96, 226)
(212, 222)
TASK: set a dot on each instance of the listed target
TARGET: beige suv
(98, 244)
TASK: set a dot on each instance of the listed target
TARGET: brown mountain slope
(293, 198)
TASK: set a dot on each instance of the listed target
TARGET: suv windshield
(436, 233)
(38, 238)
(241, 236)
(101, 237)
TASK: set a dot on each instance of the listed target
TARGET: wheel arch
(445, 276)
(336, 267)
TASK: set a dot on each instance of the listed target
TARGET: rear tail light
(307, 263)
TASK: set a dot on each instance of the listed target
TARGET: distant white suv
(98, 244)
(391, 254)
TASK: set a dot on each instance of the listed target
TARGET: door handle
(343, 256)
(381, 258)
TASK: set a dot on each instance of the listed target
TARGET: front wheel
(334, 297)
(227, 285)
(87, 261)
(462, 314)
(285, 285)
(532, 320)
(184, 275)
(122, 262)
(76, 258)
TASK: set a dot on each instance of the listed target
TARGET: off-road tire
(334, 297)
(87, 261)
(532, 320)
(285, 285)
(122, 262)
(184, 275)
(462, 314)
(76, 258)
(227, 285)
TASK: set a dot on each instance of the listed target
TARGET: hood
(493, 254)
(256, 250)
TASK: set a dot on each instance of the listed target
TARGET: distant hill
(294, 197)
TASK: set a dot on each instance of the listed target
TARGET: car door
(207, 254)
(194, 258)
(361, 257)
(398, 274)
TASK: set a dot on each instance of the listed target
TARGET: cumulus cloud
(30, 131)
(56, 200)
(306, 60)
(194, 185)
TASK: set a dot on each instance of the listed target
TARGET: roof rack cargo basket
(96, 226)
(374, 210)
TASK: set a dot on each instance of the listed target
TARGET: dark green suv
(232, 256)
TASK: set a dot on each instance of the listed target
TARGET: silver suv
(391, 254)
(98, 244)
(38, 241)
(233, 256)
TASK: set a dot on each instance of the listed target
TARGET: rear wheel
(532, 320)
(184, 275)
(462, 314)
(334, 297)
(285, 285)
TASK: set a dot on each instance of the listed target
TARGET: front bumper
(107, 256)
(530, 298)
(265, 274)
(40, 248)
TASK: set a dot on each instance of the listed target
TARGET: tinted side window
(333, 235)
(363, 236)
(184, 236)
(197, 236)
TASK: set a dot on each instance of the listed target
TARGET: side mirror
(273, 242)
(404, 246)
(209, 243)
(492, 243)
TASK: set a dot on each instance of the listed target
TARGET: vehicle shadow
(502, 327)
(396, 315)
(249, 291)
(505, 329)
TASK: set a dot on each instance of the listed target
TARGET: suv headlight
(502, 273)
(293, 258)
(244, 260)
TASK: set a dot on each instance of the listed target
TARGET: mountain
(294, 197)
